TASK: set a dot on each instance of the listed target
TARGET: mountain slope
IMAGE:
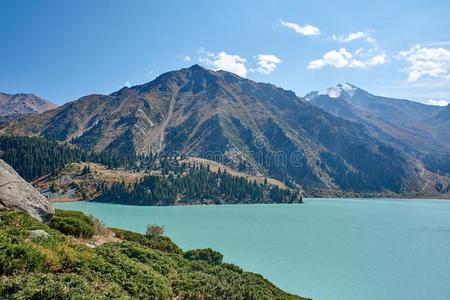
(256, 127)
(22, 104)
(413, 127)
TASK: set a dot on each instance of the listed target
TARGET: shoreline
(65, 200)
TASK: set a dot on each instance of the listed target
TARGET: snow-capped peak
(337, 91)
(350, 89)
(332, 92)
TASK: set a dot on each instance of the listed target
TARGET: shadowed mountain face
(413, 127)
(252, 126)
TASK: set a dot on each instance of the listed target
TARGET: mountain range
(13, 106)
(414, 127)
(258, 128)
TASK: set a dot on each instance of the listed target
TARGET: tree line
(33, 157)
(194, 184)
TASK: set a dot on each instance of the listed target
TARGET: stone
(38, 233)
(19, 195)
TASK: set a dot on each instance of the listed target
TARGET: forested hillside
(194, 185)
(32, 157)
(168, 181)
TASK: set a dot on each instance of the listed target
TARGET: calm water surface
(338, 249)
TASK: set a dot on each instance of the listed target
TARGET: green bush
(72, 226)
(207, 255)
(15, 258)
(161, 243)
(74, 214)
(56, 286)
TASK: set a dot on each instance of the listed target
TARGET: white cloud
(333, 58)
(343, 59)
(351, 37)
(223, 61)
(438, 102)
(267, 63)
(377, 60)
(354, 63)
(316, 64)
(127, 84)
(425, 62)
(336, 58)
(301, 29)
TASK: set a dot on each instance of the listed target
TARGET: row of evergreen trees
(32, 157)
(196, 184)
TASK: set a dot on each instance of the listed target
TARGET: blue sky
(63, 50)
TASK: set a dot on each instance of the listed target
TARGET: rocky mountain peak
(342, 90)
(21, 104)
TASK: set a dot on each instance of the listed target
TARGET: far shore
(444, 197)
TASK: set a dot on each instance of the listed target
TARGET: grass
(138, 267)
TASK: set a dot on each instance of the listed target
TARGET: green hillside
(134, 267)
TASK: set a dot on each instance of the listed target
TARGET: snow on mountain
(345, 89)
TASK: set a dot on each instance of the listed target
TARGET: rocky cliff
(17, 194)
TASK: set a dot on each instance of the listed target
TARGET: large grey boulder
(17, 194)
(38, 234)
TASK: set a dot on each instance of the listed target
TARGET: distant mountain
(256, 127)
(413, 127)
(443, 115)
(22, 104)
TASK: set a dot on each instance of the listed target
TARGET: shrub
(16, 258)
(154, 230)
(72, 226)
(207, 255)
(99, 227)
(161, 243)
(56, 286)
(74, 214)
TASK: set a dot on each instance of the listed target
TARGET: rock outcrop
(17, 194)
(38, 234)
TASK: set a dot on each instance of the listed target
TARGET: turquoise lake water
(338, 249)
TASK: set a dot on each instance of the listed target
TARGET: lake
(340, 249)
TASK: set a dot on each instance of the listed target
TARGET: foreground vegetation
(138, 267)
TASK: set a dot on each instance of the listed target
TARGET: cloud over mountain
(342, 58)
(431, 63)
(267, 63)
(224, 61)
